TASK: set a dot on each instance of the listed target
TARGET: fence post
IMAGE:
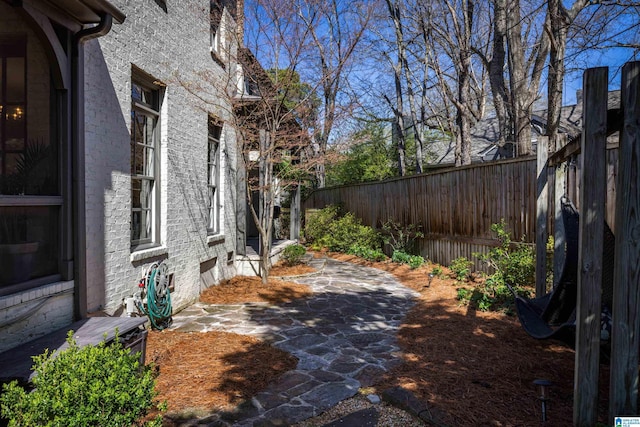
(592, 214)
(294, 215)
(542, 213)
(626, 288)
(558, 225)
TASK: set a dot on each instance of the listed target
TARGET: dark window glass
(144, 171)
(28, 243)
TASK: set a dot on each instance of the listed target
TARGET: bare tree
(560, 18)
(452, 26)
(335, 27)
(272, 114)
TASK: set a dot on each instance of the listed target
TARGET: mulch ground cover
(471, 367)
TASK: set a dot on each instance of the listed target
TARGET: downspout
(78, 163)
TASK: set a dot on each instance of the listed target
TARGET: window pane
(136, 220)
(138, 128)
(142, 95)
(138, 159)
(213, 209)
(145, 194)
(136, 188)
(15, 80)
(141, 193)
(28, 243)
(146, 220)
(149, 154)
(150, 124)
(14, 127)
(136, 92)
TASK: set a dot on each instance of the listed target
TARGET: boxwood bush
(102, 385)
(325, 228)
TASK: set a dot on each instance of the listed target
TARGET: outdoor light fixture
(544, 395)
(430, 279)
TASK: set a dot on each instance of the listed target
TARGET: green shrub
(461, 267)
(514, 263)
(317, 223)
(348, 231)
(326, 229)
(437, 271)
(401, 237)
(490, 295)
(414, 261)
(292, 254)
(367, 253)
(101, 385)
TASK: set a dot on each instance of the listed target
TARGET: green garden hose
(158, 308)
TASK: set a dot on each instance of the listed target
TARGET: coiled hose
(158, 308)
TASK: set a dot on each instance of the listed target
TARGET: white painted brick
(165, 45)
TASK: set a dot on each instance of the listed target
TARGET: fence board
(626, 320)
(592, 212)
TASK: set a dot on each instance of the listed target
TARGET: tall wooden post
(295, 217)
(626, 291)
(542, 214)
(558, 225)
(592, 213)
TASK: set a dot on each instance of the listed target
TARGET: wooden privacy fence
(455, 207)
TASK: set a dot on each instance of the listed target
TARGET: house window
(219, 31)
(30, 198)
(213, 177)
(145, 148)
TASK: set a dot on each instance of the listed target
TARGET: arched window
(30, 200)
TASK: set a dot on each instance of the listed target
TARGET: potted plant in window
(17, 247)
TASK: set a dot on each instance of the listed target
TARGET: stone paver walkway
(344, 337)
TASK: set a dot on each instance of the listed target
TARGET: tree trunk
(559, 21)
(266, 196)
(518, 81)
(463, 152)
(396, 18)
(496, 72)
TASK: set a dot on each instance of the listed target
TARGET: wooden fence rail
(456, 207)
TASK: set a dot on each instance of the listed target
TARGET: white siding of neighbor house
(173, 47)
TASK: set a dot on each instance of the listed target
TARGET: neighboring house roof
(485, 133)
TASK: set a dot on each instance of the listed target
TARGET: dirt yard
(472, 367)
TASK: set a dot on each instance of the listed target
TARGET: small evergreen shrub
(317, 224)
(292, 254)
(414, 261)
(367, 253)
(101, 385)
(326, 229)
(348, 231)
(461, 267)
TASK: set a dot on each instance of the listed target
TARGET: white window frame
(148, 233)
(214, 163)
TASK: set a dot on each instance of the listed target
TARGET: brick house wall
(173, 47)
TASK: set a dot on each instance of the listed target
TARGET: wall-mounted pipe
(80, 220)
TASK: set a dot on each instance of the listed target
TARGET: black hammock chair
(553, 315)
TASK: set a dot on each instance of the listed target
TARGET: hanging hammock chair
(553, 315)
